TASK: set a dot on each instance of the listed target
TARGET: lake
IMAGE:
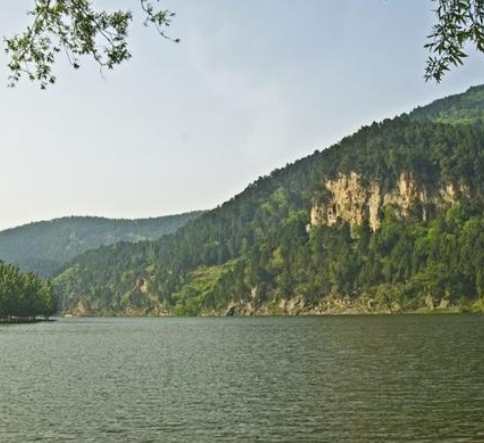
(328, 379)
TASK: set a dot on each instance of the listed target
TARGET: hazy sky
(252, 86)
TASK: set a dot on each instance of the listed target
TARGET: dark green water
(336, 379)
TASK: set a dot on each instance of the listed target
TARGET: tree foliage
(459, 22)
(77, 29)
(24, 296)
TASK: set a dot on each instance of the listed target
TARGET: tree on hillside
(77, 28)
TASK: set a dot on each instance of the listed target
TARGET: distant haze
(253, 85)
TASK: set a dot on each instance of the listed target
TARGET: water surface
(332, 379)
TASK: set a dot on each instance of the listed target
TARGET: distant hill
(389, 219)
(45, 247)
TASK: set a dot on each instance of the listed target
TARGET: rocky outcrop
(297, 305)
(350, 200)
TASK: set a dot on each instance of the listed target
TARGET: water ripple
(276, 380)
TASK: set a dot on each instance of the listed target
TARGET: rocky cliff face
(354, 202)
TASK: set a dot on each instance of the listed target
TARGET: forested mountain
(391, 218)
(44, 247)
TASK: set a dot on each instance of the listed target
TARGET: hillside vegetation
(389, 219)
(45, 247)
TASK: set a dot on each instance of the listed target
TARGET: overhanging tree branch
(459, 22)
(75, 27)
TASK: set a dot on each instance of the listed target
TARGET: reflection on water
(333, 379)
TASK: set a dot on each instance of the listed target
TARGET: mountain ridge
(45, 246)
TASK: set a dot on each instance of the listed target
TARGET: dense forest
(44, 247)
(260, 253)
(24, 296)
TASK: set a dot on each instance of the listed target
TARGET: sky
(252, 86)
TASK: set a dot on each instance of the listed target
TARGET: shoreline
(291, 307)
(423, 312)
(17, 321)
